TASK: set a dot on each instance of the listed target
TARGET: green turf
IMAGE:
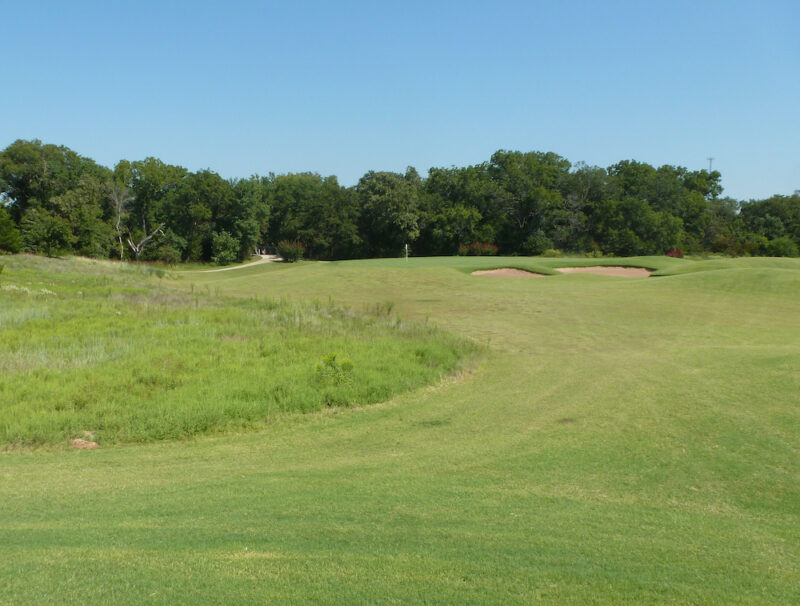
(624, 441)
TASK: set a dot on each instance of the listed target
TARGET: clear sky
(344, 87)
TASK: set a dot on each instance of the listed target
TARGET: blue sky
(345, 87)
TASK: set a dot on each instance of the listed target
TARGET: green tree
(317, 211)
(446, 225)
(149, 182)
(721, 214)
(31, 173)
(248, 216)
(10, 240)
(631, 227)
(782, 247)
(330, 223)
(531, 197)
(390, 211)
(674, 190)
(46, 233)
(470, 187)
(82, 208)
(195, 208)
(773, 217)
(224, 248)
(583, 189)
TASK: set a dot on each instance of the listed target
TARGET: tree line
(55, 201)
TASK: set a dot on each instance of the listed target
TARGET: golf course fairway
(613, 440)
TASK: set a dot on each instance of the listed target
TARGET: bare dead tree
(120, 196)
(139, 248)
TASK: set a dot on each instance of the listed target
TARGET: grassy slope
(676, 481)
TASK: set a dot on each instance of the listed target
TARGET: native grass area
(116, 353)
(599, 440)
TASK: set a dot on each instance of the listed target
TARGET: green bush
(291, 250)
(782, 247)
(224, 248)
(332, 371)
(537, 243)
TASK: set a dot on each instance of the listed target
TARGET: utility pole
(710, 160)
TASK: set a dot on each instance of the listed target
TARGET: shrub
(782, 247)
(481, 249)
(537, 243)
(333, 371)
(731, 245)
(552, 252)
(224, 248)
(463, 250)
(291, 250)
(676, 253)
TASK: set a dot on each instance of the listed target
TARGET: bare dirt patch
(608, 270)
(84, 444)
(507, 272)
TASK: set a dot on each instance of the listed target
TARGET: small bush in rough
(676, 253)
(331, 370)
(291, 250)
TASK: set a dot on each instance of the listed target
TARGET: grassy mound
(104, 348)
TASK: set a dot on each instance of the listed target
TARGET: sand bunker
(608, 270)
(507, 272)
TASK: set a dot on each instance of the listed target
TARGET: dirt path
(263, 259)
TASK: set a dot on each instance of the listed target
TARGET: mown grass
(626, 441)
(88, 348)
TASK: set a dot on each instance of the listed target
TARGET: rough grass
(675, 480)
(91, 348)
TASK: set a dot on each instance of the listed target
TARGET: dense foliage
(524, 203)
